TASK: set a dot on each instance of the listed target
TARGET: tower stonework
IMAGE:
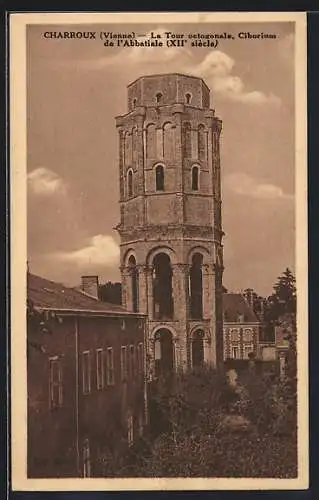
(170, 219)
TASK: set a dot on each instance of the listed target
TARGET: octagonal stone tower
(170, 227)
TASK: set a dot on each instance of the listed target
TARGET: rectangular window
(86, 459)
(109, 366)
(99, 369)
(55, 382)
(248, 349)
(140, 359)
(235, 352)
(86, 372)
(141, 424)
(123, 362)
(130, 430)
(132, 369)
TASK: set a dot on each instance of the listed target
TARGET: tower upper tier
(168, 89)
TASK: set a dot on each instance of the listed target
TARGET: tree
(203, 437)
(255, 301)
(111, 292)
(283, 299)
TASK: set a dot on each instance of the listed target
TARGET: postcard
(158, 172)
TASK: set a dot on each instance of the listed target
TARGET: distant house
(241, 327)
(86, 380)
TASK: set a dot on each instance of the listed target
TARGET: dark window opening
(198, 349)
(188, 98)
(195, 176)
(159, 96)
(86, 372)
(159, 173)
(55, 383)
(196, 287)
(134, 102)
(134, 283)
(99, 369)
(162, 287)
(164, 353)
(86, 459)
(110, 366)
(130, 183)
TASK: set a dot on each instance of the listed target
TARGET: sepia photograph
(159, 251)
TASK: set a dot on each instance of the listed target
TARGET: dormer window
(188, 98)
(159, 97)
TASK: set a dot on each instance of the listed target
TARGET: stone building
(170, 219)
(242, 328)
(87, 391)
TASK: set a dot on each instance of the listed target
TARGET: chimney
(90, 285)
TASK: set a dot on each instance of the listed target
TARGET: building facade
(241, 327)
(86, 381)
(170, 219)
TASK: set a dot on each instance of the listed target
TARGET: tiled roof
(235, 304)
(51, 295)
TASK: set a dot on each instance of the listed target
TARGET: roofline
(169, 74)
(75, 312)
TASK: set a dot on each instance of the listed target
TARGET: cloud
(246, 185)
(216, 68)
(45, 182)
(102, 250)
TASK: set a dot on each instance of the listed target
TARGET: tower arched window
(195, 178)
(201, 142)
(162, 287)
(159, 178)
(130, 183)
(196, 287)
(198, 349)
(188, 98)
(133, 271)
(159, 97)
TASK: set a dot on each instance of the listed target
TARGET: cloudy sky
(77, 87)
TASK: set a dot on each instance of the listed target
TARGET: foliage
(255, 300)
(38, 324)
(202, 437)
(283, 299)
(111, 292)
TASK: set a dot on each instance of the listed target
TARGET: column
(208, 348)
(180, 273)
(149, 286)
(126, 289)
(208, 297)
(121, 163)
(179, 176)
(143, 289)
(140, 163)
